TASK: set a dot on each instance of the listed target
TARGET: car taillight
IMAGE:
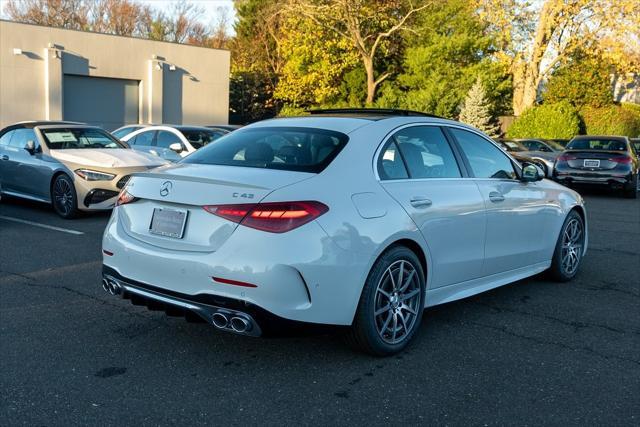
(622, 159)
(566, 158)
(125, 197)
(274, 217)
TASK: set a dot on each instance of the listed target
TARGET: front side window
(166, 138)
(534, 146)
(79, 138)
(285, 148)
(143, 139)
(21, 136)
(486, 160)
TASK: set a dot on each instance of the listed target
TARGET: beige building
(106, 80)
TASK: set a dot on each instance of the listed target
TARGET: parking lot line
(49, 227)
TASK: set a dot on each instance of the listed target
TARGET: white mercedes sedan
(360, 218)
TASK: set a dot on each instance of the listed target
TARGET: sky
(210, 8)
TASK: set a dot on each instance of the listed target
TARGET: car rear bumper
(300, 275)
(593, 178)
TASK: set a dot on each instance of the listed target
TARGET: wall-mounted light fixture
(172, 67)
(17, 51)
(158, 66)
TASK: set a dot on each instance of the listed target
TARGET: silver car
(72, 166)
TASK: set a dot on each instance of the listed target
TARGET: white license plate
(168, 222)
(591, 163)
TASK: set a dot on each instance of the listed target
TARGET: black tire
(631, 191)
(364, 333)
(560, 270)
(63, 197)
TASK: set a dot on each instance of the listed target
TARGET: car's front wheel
(569, 247)
(391, 304)
(63, 197)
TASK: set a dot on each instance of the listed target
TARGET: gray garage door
(109, 103)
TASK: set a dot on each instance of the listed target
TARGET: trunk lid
(594, 159)
(186, 188)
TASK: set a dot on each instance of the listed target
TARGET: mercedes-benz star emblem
(165, 188)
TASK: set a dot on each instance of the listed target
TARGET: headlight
(90, 175)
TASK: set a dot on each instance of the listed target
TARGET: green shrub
(557, 120)
(289, 110)
(612, 120)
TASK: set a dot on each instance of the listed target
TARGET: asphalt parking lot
(536, 352)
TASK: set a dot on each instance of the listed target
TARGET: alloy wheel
(571, 246)
(397, 302)
(63, 196)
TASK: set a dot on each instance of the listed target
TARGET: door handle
(495, 197)
(420, 202)
(5, 157)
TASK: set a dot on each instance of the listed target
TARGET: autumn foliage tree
(537, 39)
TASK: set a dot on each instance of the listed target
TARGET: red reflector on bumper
(234, 282)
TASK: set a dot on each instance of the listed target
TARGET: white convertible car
(359, 218)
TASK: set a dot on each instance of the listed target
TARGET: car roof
(347, 123)
(30, 124)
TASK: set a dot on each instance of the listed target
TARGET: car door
(163, 141)
(517, 211)
(5, 166)
(419, 169)
(27, 173)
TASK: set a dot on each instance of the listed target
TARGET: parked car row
(611, 161)
(77, 167)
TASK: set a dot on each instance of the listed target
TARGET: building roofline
(111, 35)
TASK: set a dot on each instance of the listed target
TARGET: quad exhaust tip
(111, 287)
(220, 320)
(240, 324)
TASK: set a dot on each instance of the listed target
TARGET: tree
(315, 62)
(476, 111)
(371, 26)
(585, 81)
(448, 50)
(71, 14)
(537, 41)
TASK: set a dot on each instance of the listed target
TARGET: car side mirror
(531, 172)
(30, 146)
(177, 147)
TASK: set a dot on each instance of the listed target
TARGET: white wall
(196, 92)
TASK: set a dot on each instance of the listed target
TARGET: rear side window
(426, 153)
(200, 138)
(165, 139)
(486, 160)
(285, 148)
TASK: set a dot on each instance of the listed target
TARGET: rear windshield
(294, 149)
(199, 138)
(597, 144)
(74, 138)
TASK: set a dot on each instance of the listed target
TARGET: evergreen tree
(476, 110)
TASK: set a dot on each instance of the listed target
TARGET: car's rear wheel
(631, 191)
(391, 304)
(569, 247)
(63, 197)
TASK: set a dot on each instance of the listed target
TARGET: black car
(599, 160)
